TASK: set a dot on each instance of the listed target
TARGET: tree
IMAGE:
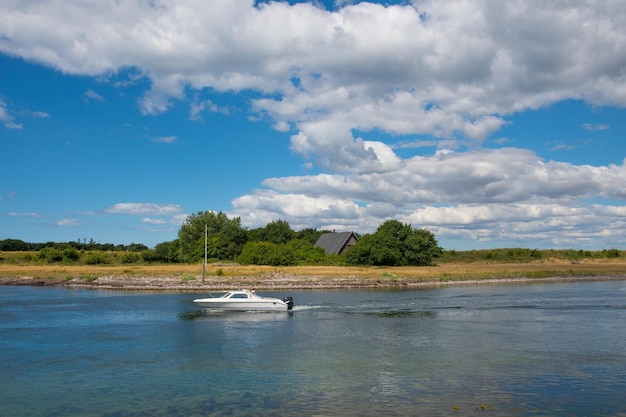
(310, 234)
(226, 235)
(255, 253)
(13, 245)
(163, 252)
(277, 232)
(395, 244)
(421, 248)
(137, 247)
(304, 252)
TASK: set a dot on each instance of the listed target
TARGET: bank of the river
(224, 276)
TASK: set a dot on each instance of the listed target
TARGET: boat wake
(306, 307)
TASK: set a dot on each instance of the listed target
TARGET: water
(524, 350)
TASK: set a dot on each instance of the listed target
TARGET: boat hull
(217, 304)
(245, 300)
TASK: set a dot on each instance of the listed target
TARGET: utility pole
(206, 236)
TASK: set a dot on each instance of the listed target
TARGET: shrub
(51, 255)
(611, 253)
(130, 258)
(96, 258)
(257, 253)
(71, 254)
(188, 277)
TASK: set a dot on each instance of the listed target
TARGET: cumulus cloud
(482, 176)
(144, 209)
(490, 194)
(451, 71)
(448, 69)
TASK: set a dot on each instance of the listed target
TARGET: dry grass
(220, 276)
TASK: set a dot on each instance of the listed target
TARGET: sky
(491, 124)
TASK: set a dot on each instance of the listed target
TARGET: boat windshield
(239, 295)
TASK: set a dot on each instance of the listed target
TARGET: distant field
(223, 274)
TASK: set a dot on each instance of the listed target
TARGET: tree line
(393, 243)
(224, 239)
(17, 245)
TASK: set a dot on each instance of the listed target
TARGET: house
(336, 243)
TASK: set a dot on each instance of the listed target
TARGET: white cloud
(144, 209)
(25, 214)
(499, 195)
(36, 114)
(593, 128)
(178, 219)
(68, 222)
(448, 71)
(151, 220)
(6, 118)
(91, 96)
(198, 107)
(3, 111)
(153, 103)
(481, 176)
(454, 66)
(165, 139)
(559, 146)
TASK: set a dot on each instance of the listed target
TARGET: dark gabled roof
(334, 243)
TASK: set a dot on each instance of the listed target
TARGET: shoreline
(280, 283)
(227, 276)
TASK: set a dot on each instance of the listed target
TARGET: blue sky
(490, 124)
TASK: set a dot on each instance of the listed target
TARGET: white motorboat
(245, 300)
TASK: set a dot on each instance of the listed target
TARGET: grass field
(221, 275)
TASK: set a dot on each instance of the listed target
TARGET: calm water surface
(525, 350)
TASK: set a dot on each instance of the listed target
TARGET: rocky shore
(277, 281)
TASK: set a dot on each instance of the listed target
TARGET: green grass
(507, 255)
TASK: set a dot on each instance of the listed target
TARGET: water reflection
(250, 316)
(492, 350)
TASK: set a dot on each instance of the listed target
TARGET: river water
(550, 349)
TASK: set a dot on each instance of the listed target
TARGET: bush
(130, 258)
(294, 252)
(151, 255)
(611, 253)
(51, 255)
(257, 253)
(96, 258)
(71, 254)
(304, 252)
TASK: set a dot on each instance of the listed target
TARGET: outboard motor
(289, 301)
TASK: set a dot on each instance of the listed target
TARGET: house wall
(351, 242)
